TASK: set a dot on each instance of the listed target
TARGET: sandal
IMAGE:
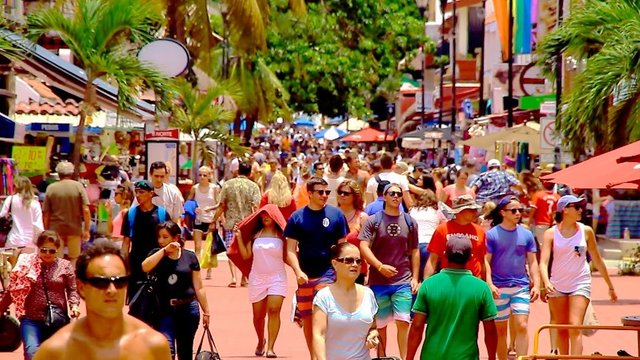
(232, 284)
(271, 355)
(260, 350)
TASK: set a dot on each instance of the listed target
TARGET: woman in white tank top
(205, 193)
(568, 287)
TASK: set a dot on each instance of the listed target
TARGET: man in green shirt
(453, 302)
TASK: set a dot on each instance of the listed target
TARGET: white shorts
(513, 300)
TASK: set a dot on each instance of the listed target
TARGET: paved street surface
(233, 330)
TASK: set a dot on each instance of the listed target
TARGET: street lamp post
(481, 106)
(422, 7)
(224, 11)
(454, 107)
(443, 5)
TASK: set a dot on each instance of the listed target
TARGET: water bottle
(626, 234)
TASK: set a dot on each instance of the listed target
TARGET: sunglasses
(49, 251)
(344, 193)
(394, 193)
(323, 192)
(349, 260)
(515, 210)
(103, 282)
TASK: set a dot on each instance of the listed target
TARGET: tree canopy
(601, 109)
(334, 59)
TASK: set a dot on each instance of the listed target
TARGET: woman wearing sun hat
(568, 287)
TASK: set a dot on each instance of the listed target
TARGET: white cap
(493, 163)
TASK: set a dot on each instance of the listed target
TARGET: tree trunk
(87, 109)
(194, 160)
(251, 121)
(176, 20)
(236, 125)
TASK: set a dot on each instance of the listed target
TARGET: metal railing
(536, 342)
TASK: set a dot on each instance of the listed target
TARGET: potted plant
(467, 69)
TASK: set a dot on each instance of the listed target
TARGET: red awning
(368, 135)
(616, 169)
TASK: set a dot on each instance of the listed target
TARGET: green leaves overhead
(602, 107)
(333, 60)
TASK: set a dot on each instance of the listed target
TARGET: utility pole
(559, 65)
(510, 71)
(481, 105)
(454, 107)
(443, 5)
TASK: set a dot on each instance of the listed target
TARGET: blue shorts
(394, 303)
(513, 300)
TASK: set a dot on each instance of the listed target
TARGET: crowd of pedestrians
(372, 238)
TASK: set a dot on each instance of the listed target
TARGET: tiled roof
(48, 107)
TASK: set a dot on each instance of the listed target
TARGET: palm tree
(263, 93)
(197, 114)
(602, 107)
(103, 36)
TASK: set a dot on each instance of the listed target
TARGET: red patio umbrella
(616, 169)
(368, 135)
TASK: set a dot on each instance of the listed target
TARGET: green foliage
(335, 59)
(602, 107)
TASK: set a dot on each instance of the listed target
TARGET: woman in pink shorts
(259, 237)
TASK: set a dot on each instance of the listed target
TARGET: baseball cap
(568, 199)
(493, 163)
(143, 185)
(458, 248)
(420, 165)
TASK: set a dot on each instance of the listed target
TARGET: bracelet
(380, 267)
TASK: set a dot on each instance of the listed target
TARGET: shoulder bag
(145, 304)
(206, 354)
(54, 317)
(6, 223)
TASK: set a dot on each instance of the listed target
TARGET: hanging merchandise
(7, 173)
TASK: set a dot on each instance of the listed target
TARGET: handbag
(54, 317)
(145, 304)
(206, 354)
(218, 245)
(6, 223)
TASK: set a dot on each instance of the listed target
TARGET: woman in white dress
(344, 325)
(26, 213)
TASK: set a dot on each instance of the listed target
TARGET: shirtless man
(106, 333)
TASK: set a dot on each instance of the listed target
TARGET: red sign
(163, 134)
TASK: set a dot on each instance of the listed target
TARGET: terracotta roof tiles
(49, 107)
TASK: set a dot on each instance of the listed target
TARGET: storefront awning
(10, 131)
(64, 75)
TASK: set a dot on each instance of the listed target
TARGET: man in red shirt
(463, 224)
(543, 206)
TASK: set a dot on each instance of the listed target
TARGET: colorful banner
(502, 20)
(523, 25)
(31, 159)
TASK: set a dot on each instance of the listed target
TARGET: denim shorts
(581, 291)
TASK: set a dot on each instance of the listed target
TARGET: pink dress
(268, 275)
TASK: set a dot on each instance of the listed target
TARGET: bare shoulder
(56, 346)
(152, 340)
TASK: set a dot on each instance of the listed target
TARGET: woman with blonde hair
(279, 194)
(428, 217)
(351, 203)
(205, 193)
(26, 213)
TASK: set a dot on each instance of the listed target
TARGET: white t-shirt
(427, 220)
(390, 176)
(347, 332)
(27, 222)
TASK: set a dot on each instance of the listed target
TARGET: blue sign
(44, 127)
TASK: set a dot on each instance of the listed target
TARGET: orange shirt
(474, 232)
(545, 203)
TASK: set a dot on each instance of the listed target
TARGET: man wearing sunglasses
(389, 242)
(105, 332)
(510, 247)
(310, 233)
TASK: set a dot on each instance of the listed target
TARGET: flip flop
(232, 284)
(271, 355)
